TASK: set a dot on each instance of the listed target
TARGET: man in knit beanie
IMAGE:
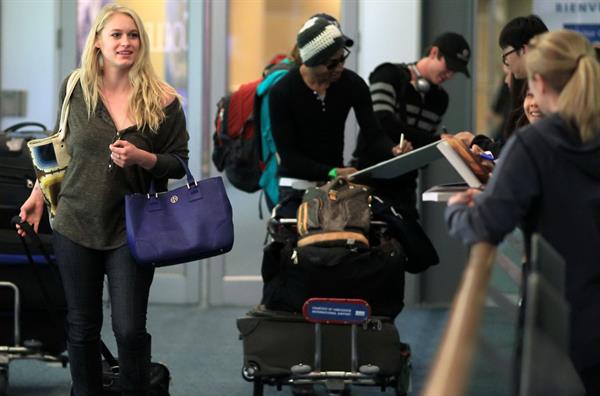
(319, 39)
(309, 107)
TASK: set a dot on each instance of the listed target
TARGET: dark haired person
(549, 182)
(408, 99)
(309, 107)
(513, 42)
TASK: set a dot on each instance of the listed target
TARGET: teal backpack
(269, 182)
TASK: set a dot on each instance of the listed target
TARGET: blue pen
(487, 155)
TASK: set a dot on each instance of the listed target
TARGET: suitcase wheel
(249, 371)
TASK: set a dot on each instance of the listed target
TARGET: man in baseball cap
(409, 101)
(455, 50)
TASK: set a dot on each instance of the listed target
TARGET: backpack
(237, 141)
(236, 145)
(269, 179)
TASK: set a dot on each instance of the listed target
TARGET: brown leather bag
(335, 214)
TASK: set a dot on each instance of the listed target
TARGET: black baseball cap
(455, 50)
(331, 19)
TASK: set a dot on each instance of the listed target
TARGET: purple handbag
(188, 223)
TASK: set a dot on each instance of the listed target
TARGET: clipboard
(400, 164)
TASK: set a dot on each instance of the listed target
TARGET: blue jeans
(82, 271)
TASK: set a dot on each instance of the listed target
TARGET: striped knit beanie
(318, 40)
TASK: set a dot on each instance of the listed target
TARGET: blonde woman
(125, 126)
(549, 182)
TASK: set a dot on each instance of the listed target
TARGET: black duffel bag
(406, 229)
(160, 377)
(376, 274)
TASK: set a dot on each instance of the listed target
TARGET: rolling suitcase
(274, 342)
(42, 303)
(32, 306)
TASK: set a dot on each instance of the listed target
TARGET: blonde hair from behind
(148, 92)
(567, 61)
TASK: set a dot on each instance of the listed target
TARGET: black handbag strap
(108, 356)
(190, 178)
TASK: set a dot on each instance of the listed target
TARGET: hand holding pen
(403, 147)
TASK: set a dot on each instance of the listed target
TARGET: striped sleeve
(383, 96)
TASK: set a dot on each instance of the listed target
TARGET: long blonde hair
(148, 92)
(567, 61)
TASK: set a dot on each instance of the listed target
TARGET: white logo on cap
(464, 56)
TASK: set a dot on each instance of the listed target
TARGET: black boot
(134, 367)
(86, 369)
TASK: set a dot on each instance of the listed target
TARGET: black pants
(82, 271)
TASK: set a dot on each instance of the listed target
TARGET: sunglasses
(508, 53)
(332, 64)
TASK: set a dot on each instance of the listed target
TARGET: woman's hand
(465, 198)
(465, 136)
(489, 165)
(32, 210)
(124, 153)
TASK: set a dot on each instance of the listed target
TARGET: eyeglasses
(335, 62)
(508, 53)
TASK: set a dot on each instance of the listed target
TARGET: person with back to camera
(549, 182)
(513, 42)
(309, 107)
(409, 99)
(125, 127)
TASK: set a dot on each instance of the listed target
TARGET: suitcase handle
(51, 305)
(33, 236)
(16, 127)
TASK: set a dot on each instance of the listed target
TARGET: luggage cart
(334, 344)
(330, 328)
(51, 351)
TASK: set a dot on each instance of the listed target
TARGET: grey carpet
(202, 350)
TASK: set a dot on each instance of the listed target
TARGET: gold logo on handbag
(49, 155)
(174, 199)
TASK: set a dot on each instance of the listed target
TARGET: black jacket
(309, 132)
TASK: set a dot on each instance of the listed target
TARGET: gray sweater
(91, 209)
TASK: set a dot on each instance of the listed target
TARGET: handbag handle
(64, 111)
(190, 178)
(20, 125)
